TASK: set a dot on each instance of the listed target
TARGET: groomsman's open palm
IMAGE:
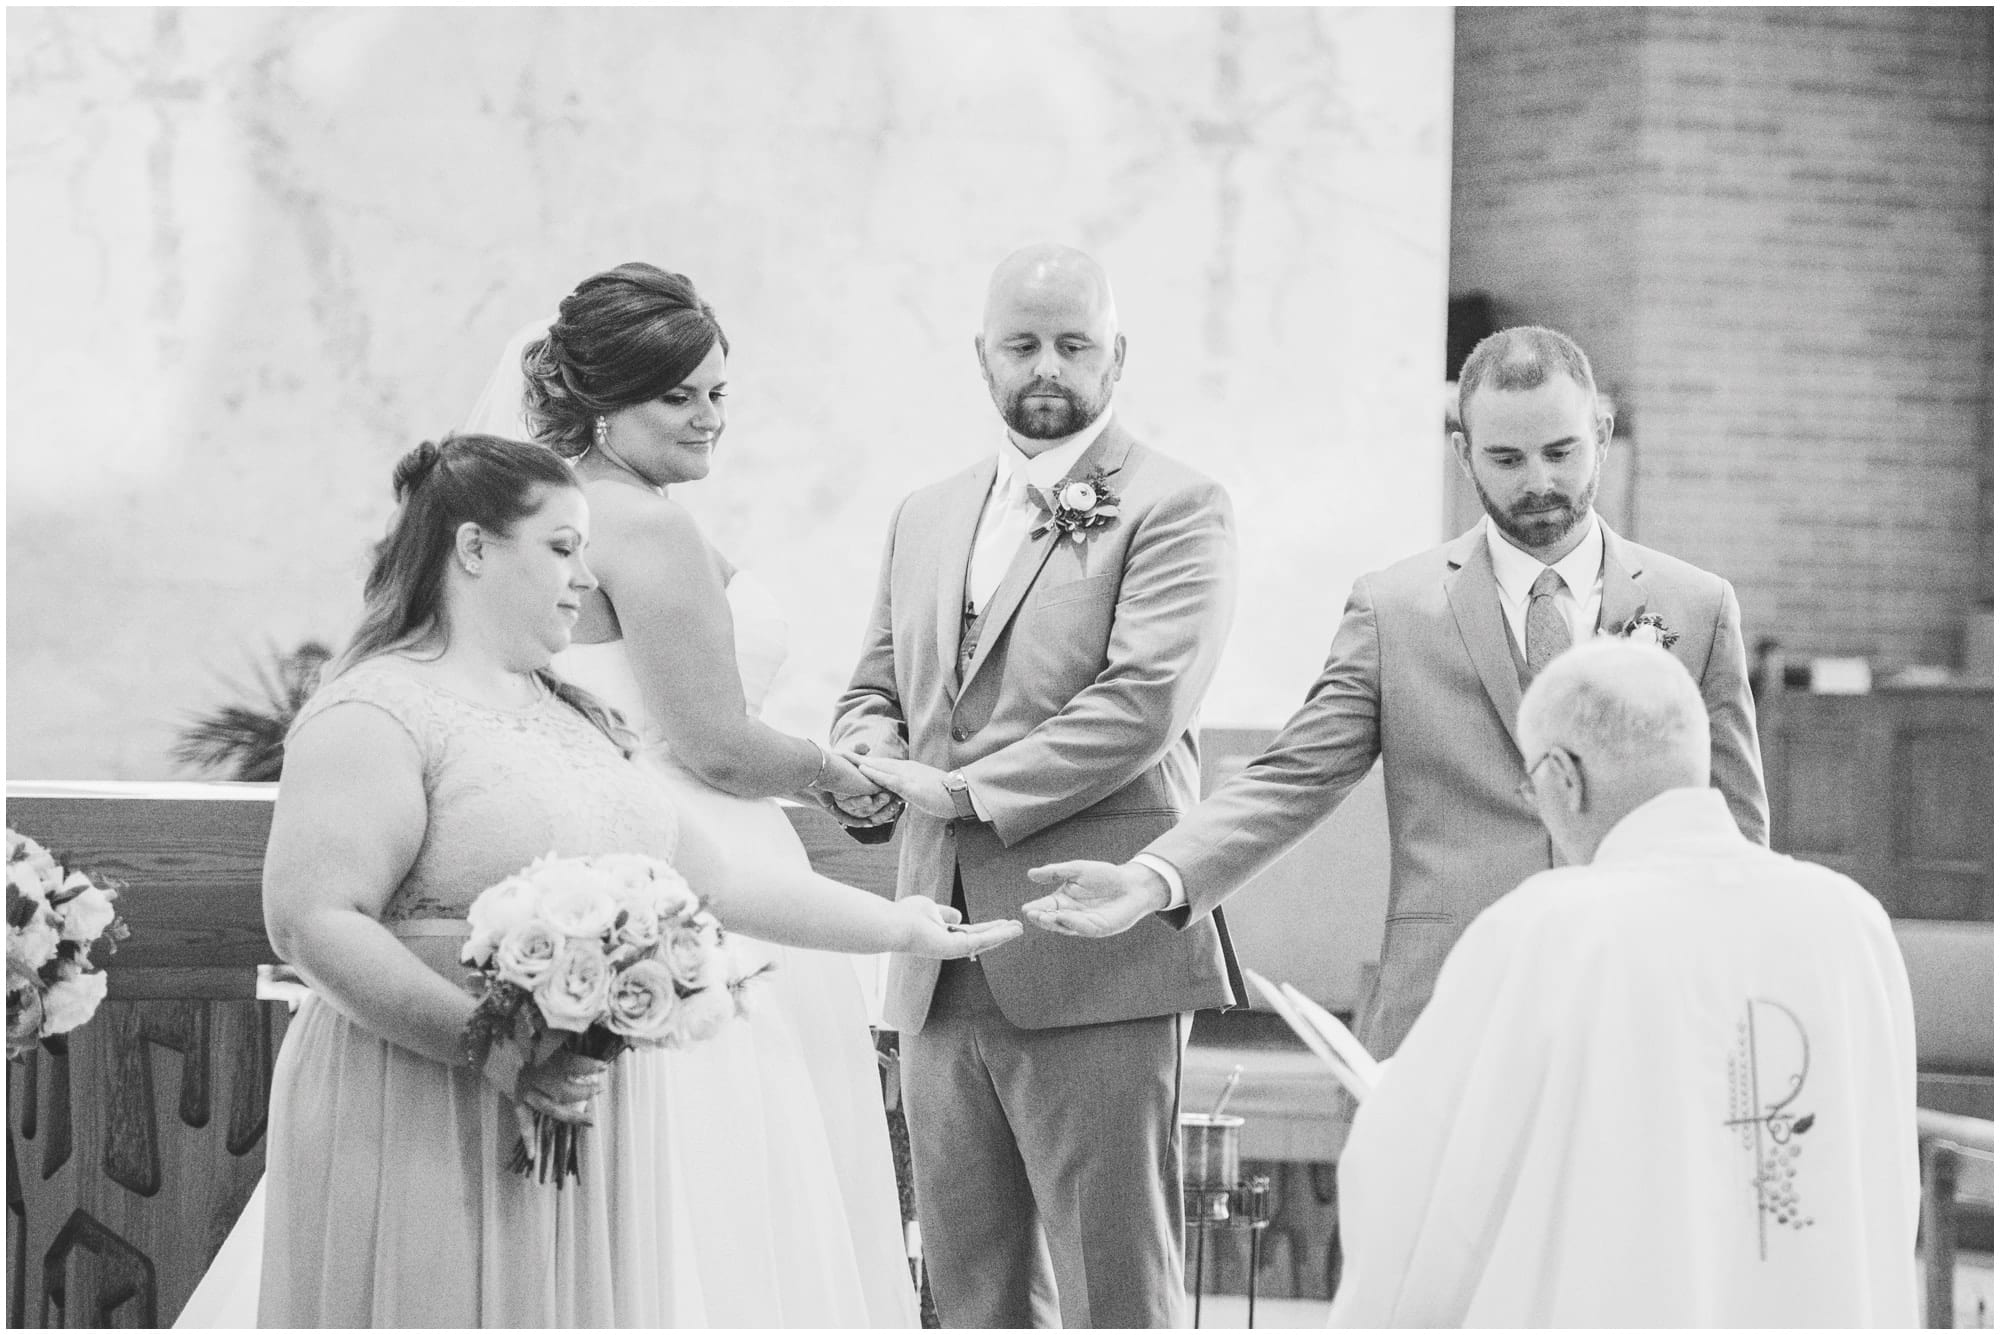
(1094, 898)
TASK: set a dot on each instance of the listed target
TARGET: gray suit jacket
(1422, 674)
(1074, 724)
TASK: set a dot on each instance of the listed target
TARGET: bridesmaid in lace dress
(628, 382)
(441, 756)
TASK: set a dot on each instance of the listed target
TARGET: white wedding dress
(812, 1007)
(799, 1224)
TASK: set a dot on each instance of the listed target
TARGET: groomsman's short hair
(1521, 358)
(1632, 704)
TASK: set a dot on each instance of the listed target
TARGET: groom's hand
(1095, 898)
(915, 782)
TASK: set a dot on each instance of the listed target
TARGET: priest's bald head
(1606, 726)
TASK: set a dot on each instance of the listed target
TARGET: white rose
(21, 848)
(692, 950)
(572, 995)
(70, 1002)
(85, 917)
(576, 901)
(527, 953)
(24, 880)
(1078, 496)
(677, 898)
(34, 945)
(1644, 634)
(643, 1002)
(638, 930)
(701, 1016)
(498, 910)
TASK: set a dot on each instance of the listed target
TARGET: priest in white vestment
(1673, 1085)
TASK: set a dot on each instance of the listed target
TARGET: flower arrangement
(55, 914)
(1647, 628)
(1074, 508)
(611, 951)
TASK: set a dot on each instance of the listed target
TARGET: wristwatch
(961, 796)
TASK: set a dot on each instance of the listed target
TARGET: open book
(1324, 1035)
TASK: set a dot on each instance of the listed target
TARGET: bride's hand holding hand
(936, 932)
(848, 786)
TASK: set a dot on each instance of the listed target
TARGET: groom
(1046, 624)
(1427, 671)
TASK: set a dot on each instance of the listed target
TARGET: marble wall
(253, 255)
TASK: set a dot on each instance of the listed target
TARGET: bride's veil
(498, 411)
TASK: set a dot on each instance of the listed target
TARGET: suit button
(959, 734)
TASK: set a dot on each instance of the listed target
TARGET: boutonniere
(1077, 507)
(1647, 628)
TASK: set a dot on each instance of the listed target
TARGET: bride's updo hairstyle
(484, 480)
(624, 336)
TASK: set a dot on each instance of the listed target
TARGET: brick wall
(1772, 229)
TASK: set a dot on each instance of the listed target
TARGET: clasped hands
(1091, 899)
(855, 797)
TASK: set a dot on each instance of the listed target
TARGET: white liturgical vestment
(1675, 1087)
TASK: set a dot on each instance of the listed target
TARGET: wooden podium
(129, 1159)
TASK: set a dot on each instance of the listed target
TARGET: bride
(628, 383)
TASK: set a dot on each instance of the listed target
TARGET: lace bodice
(761, 645)
(503, 787)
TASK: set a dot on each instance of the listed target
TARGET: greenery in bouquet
(55, 915)
(609, 952)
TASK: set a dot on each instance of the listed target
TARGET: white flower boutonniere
(1647, 628)
(1074, 508)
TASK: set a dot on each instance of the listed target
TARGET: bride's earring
(602, 433)
(471, 565)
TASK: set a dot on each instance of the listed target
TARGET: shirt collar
(1053, 464)
(1678, 821)
(1516, 572)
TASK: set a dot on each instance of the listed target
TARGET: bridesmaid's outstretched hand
(936, 932)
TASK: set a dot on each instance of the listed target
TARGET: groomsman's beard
(1541, 528)
(1075, 417)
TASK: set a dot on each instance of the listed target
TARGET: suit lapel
(962, 508)
(1108, 452)
(1474, 596)
(1623, 598)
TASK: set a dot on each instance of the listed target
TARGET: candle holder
(1213, 1195)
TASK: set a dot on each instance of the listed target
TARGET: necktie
(1548, 628)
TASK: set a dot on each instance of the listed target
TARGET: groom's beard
(1077, 413)
(1531, 525)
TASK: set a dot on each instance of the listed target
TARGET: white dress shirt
(1009, 515)
(1514, 574)
(1582, 572)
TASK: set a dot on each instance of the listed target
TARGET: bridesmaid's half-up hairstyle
(625, 336)
(484, 480)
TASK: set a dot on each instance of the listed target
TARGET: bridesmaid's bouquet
(54, 916)
(612, 951)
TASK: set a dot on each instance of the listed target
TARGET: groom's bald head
(1049, 344)
(1049, 272)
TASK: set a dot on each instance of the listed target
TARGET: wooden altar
(129, 1160)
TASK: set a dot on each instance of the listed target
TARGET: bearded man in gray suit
(1045, 627)
(1427, 671)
